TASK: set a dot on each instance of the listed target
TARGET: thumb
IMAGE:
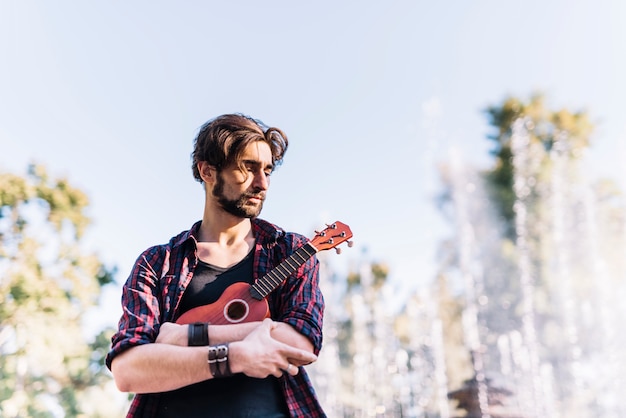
(268, 324)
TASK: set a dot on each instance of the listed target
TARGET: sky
(374, 97)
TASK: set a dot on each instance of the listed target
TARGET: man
(238, 369)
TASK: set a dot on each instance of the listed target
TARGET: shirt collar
(264, 232)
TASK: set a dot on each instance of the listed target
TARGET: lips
(259, 197)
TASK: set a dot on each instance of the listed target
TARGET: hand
(259, 355)
(174, 334)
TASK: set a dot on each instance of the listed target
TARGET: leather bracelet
(198, 334)
(218, 361)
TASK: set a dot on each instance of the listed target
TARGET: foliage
(377, 274)
(545, 128)
(47, 283)
(556, 141)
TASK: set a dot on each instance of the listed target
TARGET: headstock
(331, 236)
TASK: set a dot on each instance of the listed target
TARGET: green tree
(47, 283)
(545, 128)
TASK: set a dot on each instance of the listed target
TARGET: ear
(208, 173)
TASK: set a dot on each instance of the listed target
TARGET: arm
(299, 305)
(158, 367)
(176, 334)
(152, 368)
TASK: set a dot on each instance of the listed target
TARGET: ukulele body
(236, 305)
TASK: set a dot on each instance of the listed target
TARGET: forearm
(220, 334)
(152, 368)
(289, 335)
(285, 333)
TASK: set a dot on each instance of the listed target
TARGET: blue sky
(373, 95)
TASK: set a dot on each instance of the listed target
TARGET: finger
(267, 326)
(279, 372)
(298, 363)
(299, 356)
(290, 369)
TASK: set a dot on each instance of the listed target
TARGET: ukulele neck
(268, 283)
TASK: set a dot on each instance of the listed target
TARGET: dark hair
(221, 141)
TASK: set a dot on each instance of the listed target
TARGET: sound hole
(236, 310)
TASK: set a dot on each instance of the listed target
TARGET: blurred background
(475, 149)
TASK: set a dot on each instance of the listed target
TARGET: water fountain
(542, 309)
(542, 318)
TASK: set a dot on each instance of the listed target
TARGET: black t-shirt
(235, 396)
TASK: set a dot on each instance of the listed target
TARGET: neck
(224, 229)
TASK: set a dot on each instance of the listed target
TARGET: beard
(238, 207)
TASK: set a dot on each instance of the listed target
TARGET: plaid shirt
(153, 292)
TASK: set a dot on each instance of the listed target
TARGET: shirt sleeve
(139, 322)
(300, 302)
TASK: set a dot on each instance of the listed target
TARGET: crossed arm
(257, 349)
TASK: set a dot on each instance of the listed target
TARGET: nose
(261, 180)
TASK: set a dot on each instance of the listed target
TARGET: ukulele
(242, 302)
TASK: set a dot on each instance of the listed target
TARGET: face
(242, 193)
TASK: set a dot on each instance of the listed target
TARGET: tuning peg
(338, 250)
(350, 244)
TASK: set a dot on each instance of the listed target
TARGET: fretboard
(268, 283)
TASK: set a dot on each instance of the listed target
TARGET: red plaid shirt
(153, 291)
